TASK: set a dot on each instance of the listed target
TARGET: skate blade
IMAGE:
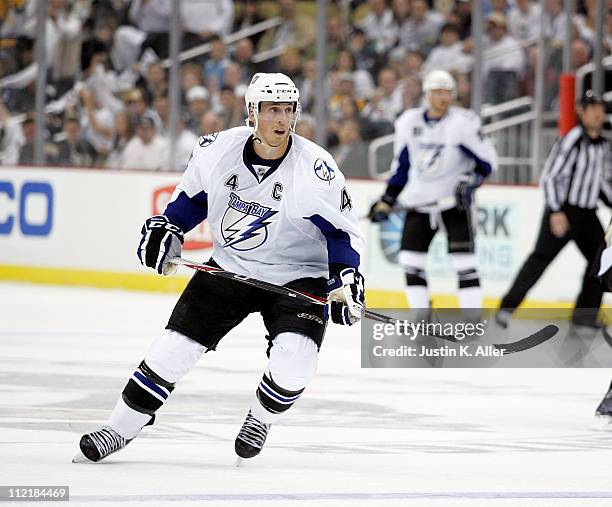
(602, 423)
(239, 461)
(81, 458)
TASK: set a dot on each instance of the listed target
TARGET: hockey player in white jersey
(279, 211)
(440, 158)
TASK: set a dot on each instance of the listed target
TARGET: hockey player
(604, 409)
(278, 210)
(440, 159)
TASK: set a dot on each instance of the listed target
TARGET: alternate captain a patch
(245, 224)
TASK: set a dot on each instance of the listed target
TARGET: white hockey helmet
(439, 80)
(271, 87)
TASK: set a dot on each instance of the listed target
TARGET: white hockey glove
(161, 241)
(346, 294)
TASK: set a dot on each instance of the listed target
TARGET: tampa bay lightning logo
(207, 139)
(245, 224)
(323, 170)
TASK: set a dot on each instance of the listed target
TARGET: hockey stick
(530, 341)
(526, 343)
(277, 289)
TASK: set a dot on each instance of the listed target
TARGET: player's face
(274, 122)
(593, 116)
(440, 101)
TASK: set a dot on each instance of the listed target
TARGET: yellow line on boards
(375, 298)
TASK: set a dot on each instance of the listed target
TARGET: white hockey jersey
(277, 226)
(429, 156)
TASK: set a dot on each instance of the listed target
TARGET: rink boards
(82, 227)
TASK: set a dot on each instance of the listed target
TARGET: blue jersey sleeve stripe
(187, 212)
(400, 178)
(339, 249)
(482, 166)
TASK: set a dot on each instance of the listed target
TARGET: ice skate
(98, 445)
(251, 438)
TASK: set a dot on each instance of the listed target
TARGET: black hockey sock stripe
(468, 278)
(416, 277)
(146, 391)
(274, 398)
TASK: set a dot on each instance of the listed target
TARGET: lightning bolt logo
(244, 229)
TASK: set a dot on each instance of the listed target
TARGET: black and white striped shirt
(577, 171)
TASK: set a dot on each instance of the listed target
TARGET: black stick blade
(530, 341)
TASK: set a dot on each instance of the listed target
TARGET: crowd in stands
(108, 81)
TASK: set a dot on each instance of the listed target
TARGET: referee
(576, 174)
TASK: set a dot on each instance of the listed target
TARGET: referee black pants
(587, 232)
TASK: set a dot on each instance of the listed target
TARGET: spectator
(499, 6)
(215, 66)
(156, 80)
(555, 22)
(161, 105)
(401, 18)
(232, 76)
(378, 26)
(185, 142)
(364, 84)
(203, 19)
(136, 106)
(307, 91)
(210, 123)
(306, 127)
(63, 41)
(191, 75)
(295, 31)
(147, 149)
(247, 17)
(232, 108)
(11, 137)
(581, 53)
(98, 123)
(73, 150)
(363, 50)
(125, 129)
(449, 54)
(524, 20)
(26, 152)
(153, 18)
(386, 103)
(504, 63)
(335, 42)
(290, 64)
(462, 16)
(413, 63)
(586, 24)
(243, 56)
(198, 101)
(412, 92)
(423, 28)
(396, 59)
(351, 151)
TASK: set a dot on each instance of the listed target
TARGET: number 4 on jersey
(345, 201)
(232, 182)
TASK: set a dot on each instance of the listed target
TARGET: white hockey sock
(127, 421)
(168, 359)
(418, 296)
(417, 292)
(470, 297)
(293, 363)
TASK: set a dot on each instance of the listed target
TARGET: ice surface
(417, 437)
